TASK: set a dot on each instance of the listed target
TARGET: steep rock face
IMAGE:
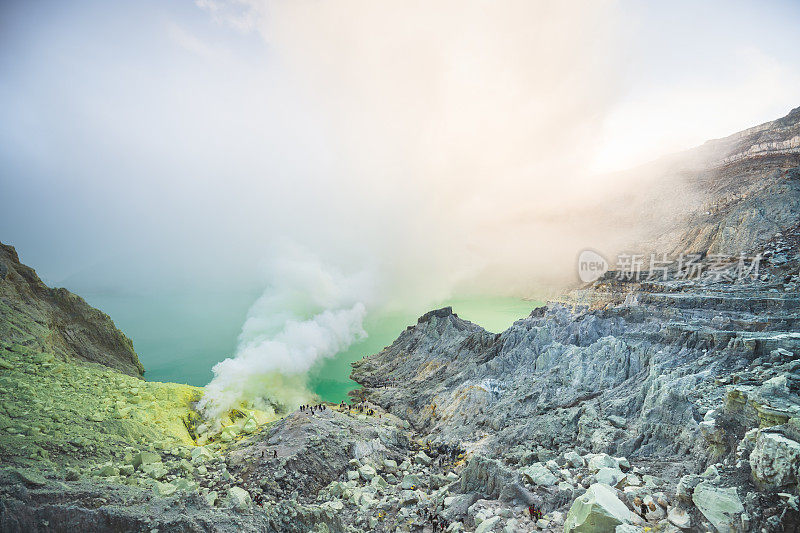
(749, 187)
(39, 318)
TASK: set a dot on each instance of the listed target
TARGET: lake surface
(180, 336)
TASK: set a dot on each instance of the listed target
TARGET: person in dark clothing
(275, 454)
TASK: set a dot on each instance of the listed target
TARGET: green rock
(721, 506)
(487, 525)
(410, 482)
(107, 470)
(185, 466)
(598, 510)
(422, 458)
(201, 454)
(126, 470)
(408, 497)
(367, 472)
(609, 476)
(228, 434)
(239, 498)
(154, 470)
(143, 458)
(164, 489)
(185, 484)
(30, 477)
(250, 425)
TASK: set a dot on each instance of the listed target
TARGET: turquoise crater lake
(180, 336)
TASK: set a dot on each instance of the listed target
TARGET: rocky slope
(57, 321)
(627, 405)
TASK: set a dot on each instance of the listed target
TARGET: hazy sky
(181, 141)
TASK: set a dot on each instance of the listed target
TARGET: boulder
(679, 517)
(629, 528)
(720, 506)
(107, 470)
(410, 482)
(144, 458)
(390, 465)
(775, 461)
(486, 476)
(154, 470)
(598, 510)
(422, 459)
(487, 525)
(574, 460)
(367, 472)
(538, 474)
(408, 497)
(29, 477)
(250, 425)
(239, 498)
(201, 454)
(609, 476)
(602, 460)
(686, 487)
(163, 489)
(185, 484)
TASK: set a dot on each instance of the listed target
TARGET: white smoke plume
(309, 312)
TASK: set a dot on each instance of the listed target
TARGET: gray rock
(486, 476)
(538, 474)
(488, 525)
(720, 506)
(610, 476)
(574, 460)
(410, 482)
(775, 461)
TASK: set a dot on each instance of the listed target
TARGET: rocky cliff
(38, 318)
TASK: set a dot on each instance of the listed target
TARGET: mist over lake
(180, 336)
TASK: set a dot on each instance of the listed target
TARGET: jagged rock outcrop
(37, 318)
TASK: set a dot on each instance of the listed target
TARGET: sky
(136, 133)
(389, 152)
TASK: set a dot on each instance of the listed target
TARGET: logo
(591, 266)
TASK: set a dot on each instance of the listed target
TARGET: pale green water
(180, 336)
(330, 379)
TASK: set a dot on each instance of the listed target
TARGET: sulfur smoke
(459, 135)
(309, 312)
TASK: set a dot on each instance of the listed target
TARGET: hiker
(274, 454)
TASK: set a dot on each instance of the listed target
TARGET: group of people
(443, 453)
(314, 408)
(360, 407)
(535, 512)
